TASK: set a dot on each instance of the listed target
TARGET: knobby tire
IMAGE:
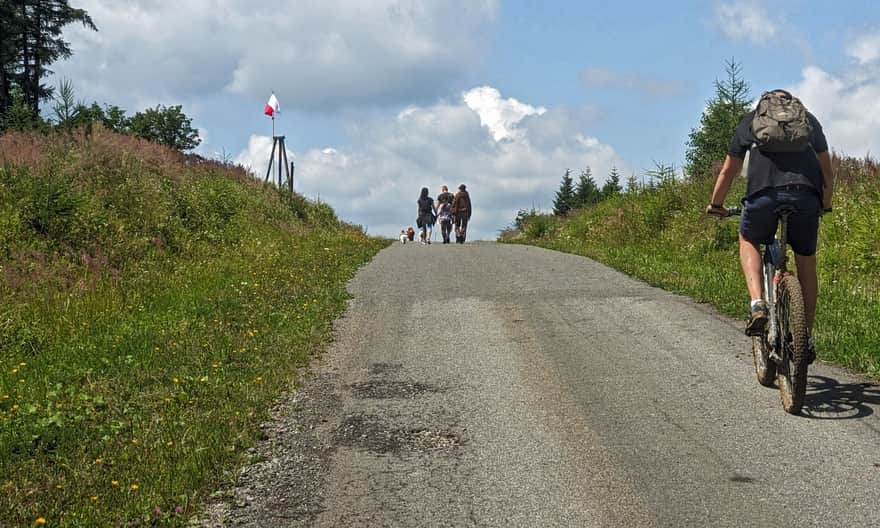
(792, 372)
(765, 368)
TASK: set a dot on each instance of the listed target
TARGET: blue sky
(382, 97)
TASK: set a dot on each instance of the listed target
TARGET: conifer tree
(612, 184)
(632, 183)
(587, 192)
(30, 42)
(564, 196)
(708, 144)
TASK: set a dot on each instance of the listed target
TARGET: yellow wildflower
(40, 520)
(94, 498)
(169, 443)
(134, 487)
(114, 482)
(99, 460)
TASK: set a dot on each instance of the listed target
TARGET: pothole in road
(370, 432)
(385, 389)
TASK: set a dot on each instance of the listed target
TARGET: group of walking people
(451, 211)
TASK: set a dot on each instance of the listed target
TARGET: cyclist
(803, 179)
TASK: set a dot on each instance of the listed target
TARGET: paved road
(495, 385)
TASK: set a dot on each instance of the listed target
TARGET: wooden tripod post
(283, 165)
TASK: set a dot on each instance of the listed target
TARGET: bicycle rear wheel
(792, 371)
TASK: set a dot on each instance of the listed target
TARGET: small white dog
(403, 237)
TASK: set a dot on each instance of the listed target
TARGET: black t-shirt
(445, 197)
(776, 169)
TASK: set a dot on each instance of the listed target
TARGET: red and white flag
(273, 106)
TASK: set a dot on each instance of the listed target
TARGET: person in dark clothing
(461, 213)
(426, 217)
(444, 197)
(803, 179)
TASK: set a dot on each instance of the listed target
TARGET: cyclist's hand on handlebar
(720, 212)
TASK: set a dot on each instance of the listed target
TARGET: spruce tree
(587, 192)
(30, 42)
(632, 183)
(564, 196)
(708, 144)
(612, 184)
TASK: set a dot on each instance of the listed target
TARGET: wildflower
(215, 365)
(14, 370)
(14, 406)
(99, 460)
(94, 498)
(5, 396)
(175, 380)
(40, 520)
(135, 487)
(259, 378)
(22, 364)
(134, 440)
(203, 379)
(21, 381)
(169, 443)
(114, 482)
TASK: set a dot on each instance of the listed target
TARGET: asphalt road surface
(497, 385)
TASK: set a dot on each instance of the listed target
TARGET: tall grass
(154, 305)
(662, 236)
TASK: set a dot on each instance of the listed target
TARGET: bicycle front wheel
(765, 369)
(792, 371)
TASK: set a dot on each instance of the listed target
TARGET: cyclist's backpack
(781, 124)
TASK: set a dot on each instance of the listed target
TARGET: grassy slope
(663, 237)
(152, 307)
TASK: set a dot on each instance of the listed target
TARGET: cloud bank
(510, 154)
(322, 54)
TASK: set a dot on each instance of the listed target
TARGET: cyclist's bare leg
(750, 259)
(806, 274)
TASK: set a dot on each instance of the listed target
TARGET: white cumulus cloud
(846, 105)
(511, 155)
(316, 54)
(746, 20)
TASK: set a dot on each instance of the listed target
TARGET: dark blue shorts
(758, 221)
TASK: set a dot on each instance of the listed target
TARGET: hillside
(660, 234)
(152, 307)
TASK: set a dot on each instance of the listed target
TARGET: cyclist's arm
(827, 178)
(731, 168)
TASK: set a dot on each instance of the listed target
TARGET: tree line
(586, 192)
(31, 41)
(705, 148)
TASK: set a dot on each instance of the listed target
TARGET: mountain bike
(781, 352)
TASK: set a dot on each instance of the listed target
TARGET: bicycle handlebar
(734, 211)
